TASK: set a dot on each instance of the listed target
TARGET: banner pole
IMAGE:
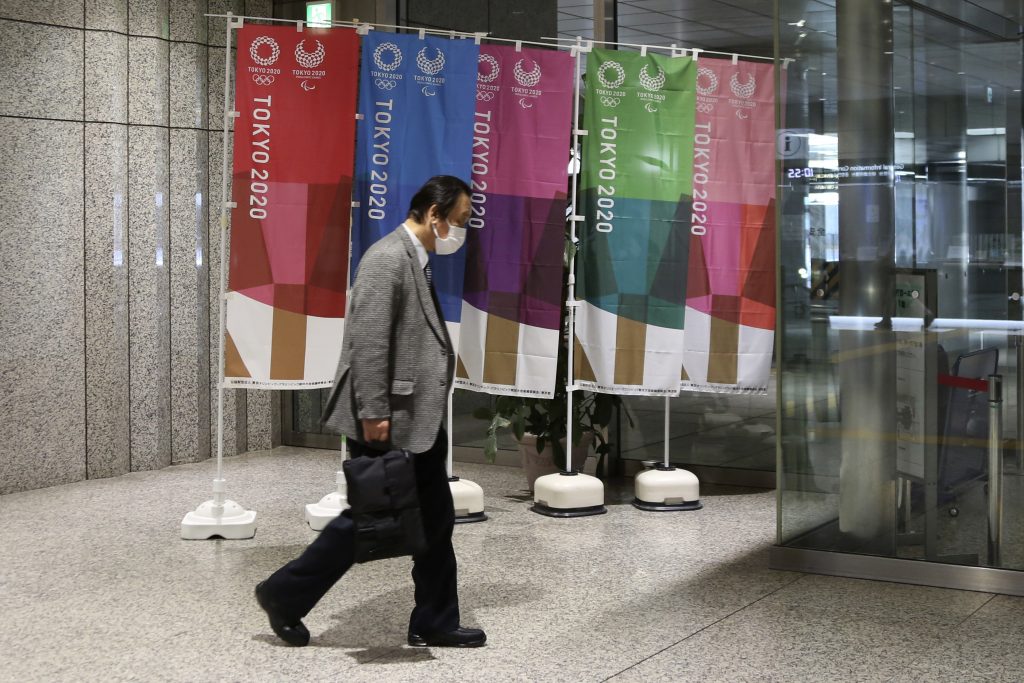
(220, 517)
(571, 301)
(319, 514)
(664, 488)
(667, 398)
(568, 493)
(561, 42)
(223, 252)
(467, 496)
(448, 427)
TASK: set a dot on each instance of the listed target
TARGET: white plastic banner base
(320, 514)
(666, 488)
(468, 497)
(228, 520)
(568, 494)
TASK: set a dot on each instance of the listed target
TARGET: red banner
(295, 93)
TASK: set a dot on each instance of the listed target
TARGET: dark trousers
(298, 586)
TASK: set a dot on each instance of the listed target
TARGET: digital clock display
(793, 173)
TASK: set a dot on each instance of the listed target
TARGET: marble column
(190, 296)
(188, 22)
(42, 321)
(41, 312)
(189, 234)
(216, 26)
(149, 306)
(109, 235)
(106, 299)
(53, 92)
(149, 18)
(107, 15)
(52, 12)
(106, 240)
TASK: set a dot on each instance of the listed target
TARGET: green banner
(636, 198)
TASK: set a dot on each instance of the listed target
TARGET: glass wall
(900, 280)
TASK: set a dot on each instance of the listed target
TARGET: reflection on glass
(306, 408)
(893, 239)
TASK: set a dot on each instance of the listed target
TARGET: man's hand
(376, 430)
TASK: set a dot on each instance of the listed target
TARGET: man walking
(391, 391)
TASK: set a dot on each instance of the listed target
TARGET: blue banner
(417, 98)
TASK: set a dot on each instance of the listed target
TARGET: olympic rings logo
(610, 101)
(385, 84)
(484, 96)
(705, 108)
(260, 79)
(391, 49)
(617, 80)
(493, 68)
(712, 81)
(275, 51)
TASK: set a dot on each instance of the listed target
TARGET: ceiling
(729, 25)
(748, 25)
(943, 52)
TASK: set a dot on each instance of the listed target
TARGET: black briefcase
(385, 506)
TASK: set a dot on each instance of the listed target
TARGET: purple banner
(512, 299)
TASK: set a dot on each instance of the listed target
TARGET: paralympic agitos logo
(431, 68)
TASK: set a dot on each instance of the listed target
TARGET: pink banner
(730, 305)
(512, 300)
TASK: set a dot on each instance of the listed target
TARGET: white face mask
(452, 243)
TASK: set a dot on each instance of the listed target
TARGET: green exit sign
(318, 13)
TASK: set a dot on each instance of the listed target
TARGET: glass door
(956, 96)
(900, 266)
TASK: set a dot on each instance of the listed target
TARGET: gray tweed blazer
(396, 359)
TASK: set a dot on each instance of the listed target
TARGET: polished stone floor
(96, 585)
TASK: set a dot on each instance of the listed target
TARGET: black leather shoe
(294, 634)
(460, 637)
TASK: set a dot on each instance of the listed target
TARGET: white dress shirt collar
(421, 251)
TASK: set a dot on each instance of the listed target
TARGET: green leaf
(560, 454)
(570, 249)
(519, 428)
(602, 413)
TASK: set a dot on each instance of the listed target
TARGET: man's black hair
(442, 190)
